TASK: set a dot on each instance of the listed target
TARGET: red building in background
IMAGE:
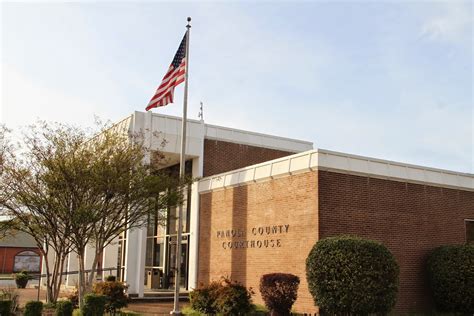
(19, 252)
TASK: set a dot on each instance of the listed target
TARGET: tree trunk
(82, 278)
(59, 275)
(48, 278)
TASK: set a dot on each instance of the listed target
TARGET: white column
(72, 265)
(194, 215)
(89, 258)
(135, 260)
(109, 258)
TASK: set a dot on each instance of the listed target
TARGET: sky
(385, 79)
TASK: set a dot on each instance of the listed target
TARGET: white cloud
(451, 23)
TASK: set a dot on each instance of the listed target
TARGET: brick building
(18, 252)
(266, 217)
(263, 201)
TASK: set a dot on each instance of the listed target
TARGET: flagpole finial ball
(189, 19)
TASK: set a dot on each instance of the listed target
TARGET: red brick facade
(251, 209)
(7, 257)
(410, 219)
(221, 156)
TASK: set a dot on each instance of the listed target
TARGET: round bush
(5, 307)
(279, 292)
(94, 305)
(33, 308)
(350, 275)
(233, 299)
(451, 278)
(222, 297)
(203, 298)
(64, 308)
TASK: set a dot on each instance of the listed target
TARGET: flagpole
(182, 161)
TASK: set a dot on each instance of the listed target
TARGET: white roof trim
(172, 125)
(338, 162)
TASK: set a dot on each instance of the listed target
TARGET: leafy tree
(31, 201)
(84, 189)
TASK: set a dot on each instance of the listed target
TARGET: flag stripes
(174, 76)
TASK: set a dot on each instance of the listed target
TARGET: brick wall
(249, 210)
(221, 156)
(410, 219)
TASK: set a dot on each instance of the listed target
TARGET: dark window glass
(469, 231)
(159, 252)
(149, 252)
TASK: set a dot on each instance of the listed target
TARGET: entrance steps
(162, 296)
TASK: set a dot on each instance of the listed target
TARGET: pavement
(153, 308)
(145, 308)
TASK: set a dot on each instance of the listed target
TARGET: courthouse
(262, 202)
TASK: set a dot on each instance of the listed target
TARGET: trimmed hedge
(94, 305)
(351, 275)
(279, 292)
(451, 278)
(222, 297)
(33, 308)
(5, 307)
(64, 308)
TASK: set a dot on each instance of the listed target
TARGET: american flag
(173, 77)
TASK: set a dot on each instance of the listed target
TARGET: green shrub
(5, 307)
(94, 305)
(279, 292)
(222, 297)
(21, 279)
(350, 275)
(49, 305)
(202, 299)
(110, 278)
(73, 297)
(64, 308)
(33, 308)
(10, 295)
(451, 278)
(115, 293)
(233, 298)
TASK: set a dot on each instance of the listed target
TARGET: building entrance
(171, 266)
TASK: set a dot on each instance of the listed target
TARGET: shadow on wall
(205, 236)
(238, 271)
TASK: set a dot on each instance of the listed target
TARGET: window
(27, 261)
(469, 230)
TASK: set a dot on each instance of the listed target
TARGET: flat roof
(169, 127)
(322, 159)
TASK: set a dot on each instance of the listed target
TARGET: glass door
(171, 262)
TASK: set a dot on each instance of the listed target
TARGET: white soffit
(169, 128)
(342, 163)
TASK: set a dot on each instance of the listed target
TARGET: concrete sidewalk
(151, 308)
